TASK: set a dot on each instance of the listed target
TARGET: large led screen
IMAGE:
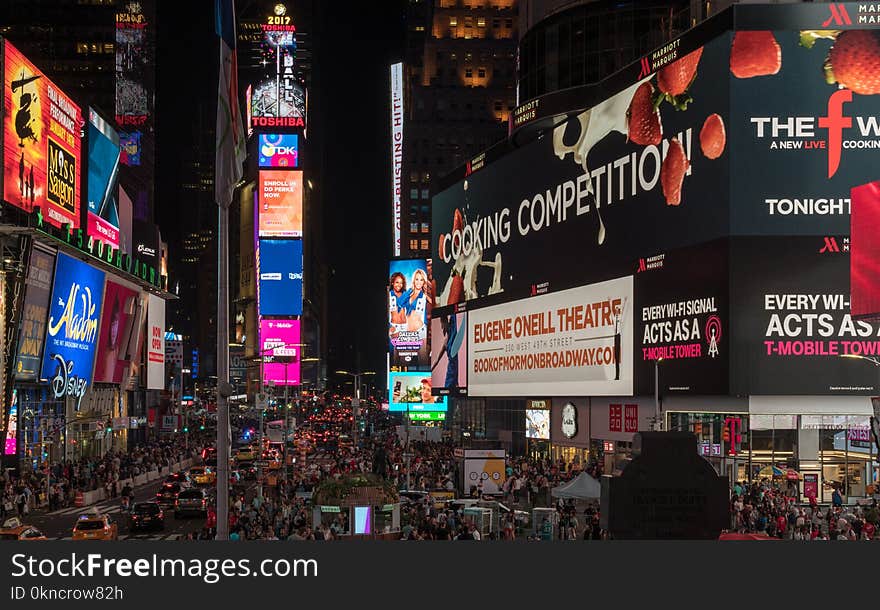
(409, 391)
(32, 332)
(576, 342)
(449, 354)
(42, 149)
(280, 338)
(538, 424)
(281, 277)
(409, 310)
(278, 150)
(280, 203)
(117, 326)
(72, 331)
(104, 154)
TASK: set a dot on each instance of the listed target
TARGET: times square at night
(631, 278)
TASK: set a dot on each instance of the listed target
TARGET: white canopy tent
(583, 487)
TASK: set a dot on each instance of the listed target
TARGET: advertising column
(396, 151)
(156, 343)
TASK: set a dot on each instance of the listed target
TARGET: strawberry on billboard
(806, 110)
(42, 149)
(643, 171)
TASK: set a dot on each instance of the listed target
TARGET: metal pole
(355, 403)
(658, 424)
(222, 373)
(286, 422)
(406, 451)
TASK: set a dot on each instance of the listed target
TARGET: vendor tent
(583, 487)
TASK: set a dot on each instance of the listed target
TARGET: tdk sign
(279, 150)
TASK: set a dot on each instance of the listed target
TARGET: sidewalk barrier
(80, 499)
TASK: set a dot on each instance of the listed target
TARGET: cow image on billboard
(409, 309)
(42, 149)
(575, 342)
(280, 203)
(449, 354)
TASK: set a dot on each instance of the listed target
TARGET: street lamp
(186, 414)
(356, 401)
(658, 421)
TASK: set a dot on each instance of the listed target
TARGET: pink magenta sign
(283, 338)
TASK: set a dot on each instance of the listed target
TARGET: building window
(468, 56)
(496, 23)
(425, 244)
(453, 21)
(413, 227)
(426, 228)
(426, 194)
(413, 244)
(82, 48)
(481, 22)
(498, 106)
(414, 176)
(413, 193)
(508, 23)
(481, 72)
(468, 72)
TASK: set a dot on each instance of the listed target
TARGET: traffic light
(186, 428)
(202, 427)
(725, 434)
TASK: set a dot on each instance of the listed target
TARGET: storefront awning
(810, 405)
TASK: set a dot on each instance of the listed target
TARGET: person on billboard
(452, 343)
(107, 366)
(426, 392)
(396, 313)
(415, 302)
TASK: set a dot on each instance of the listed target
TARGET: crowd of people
(774, 510)
(21, 494)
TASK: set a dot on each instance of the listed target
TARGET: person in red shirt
(780, 526)
(869, 530)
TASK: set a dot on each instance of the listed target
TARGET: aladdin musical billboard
(42, 149)
(72, 331)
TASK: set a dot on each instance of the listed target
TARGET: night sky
(354, 43)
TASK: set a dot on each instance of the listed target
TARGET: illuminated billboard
(72, 331)
(278, 150)
(104, 155)
(396, 150)
(280, 339)
(409, 309)
(411, 391)
(280, 203)
(118, 324)
(281, 277)
(449, 354)
(42, 149)
(280, 98)
(34, 315)
(130, 143)
(538, 424)
(133, 63)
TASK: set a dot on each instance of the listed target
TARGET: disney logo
(66, 384)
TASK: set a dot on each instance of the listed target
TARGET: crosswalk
(106, 508)
(159, 536)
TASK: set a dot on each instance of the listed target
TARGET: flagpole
(222, 371)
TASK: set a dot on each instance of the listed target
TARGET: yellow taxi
(202, 475)
(95, 526)
(14, 529)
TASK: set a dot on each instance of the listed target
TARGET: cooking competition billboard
(575, 342)
(42, 149)
(619, 181)
(804, 124)
(408, 313)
